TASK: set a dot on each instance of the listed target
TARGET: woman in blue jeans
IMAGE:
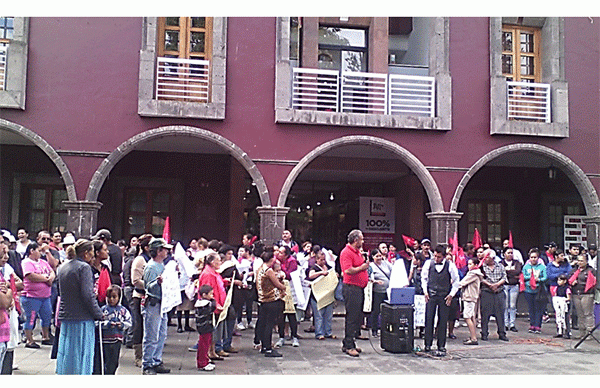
(534, 268)
(513, 270)
(323, 316)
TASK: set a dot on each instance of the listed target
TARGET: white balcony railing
(357, 92)
(528, 101)
(182, 79)
(3, 51)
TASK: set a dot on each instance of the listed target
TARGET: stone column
(592, 226)
(443, 226)
(82, 217)
(272, 223)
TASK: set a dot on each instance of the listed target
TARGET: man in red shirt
(355, 278)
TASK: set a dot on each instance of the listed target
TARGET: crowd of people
(93, 296)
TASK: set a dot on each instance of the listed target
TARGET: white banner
(377, 215)
(171, 291)
(323, 289)
(419, 311)
(227, 303)
(186, 266)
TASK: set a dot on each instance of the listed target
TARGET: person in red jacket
(355, 278)
(210, 276)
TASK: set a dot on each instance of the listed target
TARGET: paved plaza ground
(524, 354)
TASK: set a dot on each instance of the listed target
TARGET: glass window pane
(58, 222)
(354, 61)
(527, 65)
(171, 40)
(490, 212)
(160, 203)
(330, 59)
(471, 212)
(342, 36)
(198, 22)
(58, 196)
(38, 199)
(137, 225)
(507, 41)
(507, 64)
(172, 22)
(197, 42)
(36, 221)
(137, 201)
(526, 42)
(158, 224)
(294, 38)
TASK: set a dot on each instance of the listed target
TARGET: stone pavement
(524, 354)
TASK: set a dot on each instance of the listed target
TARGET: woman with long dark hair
(77, 311)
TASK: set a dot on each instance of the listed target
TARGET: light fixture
(331, 197)
(318, 203)
(552, 172)
(307, 207)
(248, 191)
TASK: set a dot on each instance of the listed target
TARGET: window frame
(149, 212)
(48, 210)
(14, 93)
(516, 53)
(149, 106)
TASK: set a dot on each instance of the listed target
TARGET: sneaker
(514, 329)
(240, 326)
(250, 325)
(209, 367)
(531, 330)
(272, 353)
(32, 345)
(161, 369)
(193, 348)
(148, 371)
(295, 342)
(280, 343)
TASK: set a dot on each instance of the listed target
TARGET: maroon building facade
(234, 125)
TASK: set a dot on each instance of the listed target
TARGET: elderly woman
(77, 311)
(35, 299)
(381, 273)
(583, 283)
(211, 276)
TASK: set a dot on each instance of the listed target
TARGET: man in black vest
(440, 282)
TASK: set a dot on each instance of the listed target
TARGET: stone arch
(576, 174)
(38, 141)
(176, 130)
(413, 163)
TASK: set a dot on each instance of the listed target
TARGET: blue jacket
(553, 272)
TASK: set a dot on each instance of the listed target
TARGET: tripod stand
(589, 333)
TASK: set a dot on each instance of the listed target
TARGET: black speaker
(397, 328)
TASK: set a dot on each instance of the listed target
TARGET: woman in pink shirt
(35, 298)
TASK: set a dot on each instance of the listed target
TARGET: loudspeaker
(397, 328)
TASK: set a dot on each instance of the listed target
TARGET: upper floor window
(14, 32)
(6, 34)
(182, 67)
(342, 48)
(521, 54)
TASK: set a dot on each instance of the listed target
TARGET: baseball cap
(156, 243)
(102, 234)
(68, 240)
(425, 240)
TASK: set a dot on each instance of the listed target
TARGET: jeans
(111, 352)
(33, 307)
(224, 335)
(155, 334)
(322, 318)
(492, 304)
(536, 310)
(3, 349)
(510, 313)
(353, 300)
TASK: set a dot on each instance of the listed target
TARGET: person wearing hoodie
(535, 276)
(470, 294)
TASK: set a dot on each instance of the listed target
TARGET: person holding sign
(323, 316)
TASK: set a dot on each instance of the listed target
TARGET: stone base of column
(82, 217)
(443, 226)
(272, 223)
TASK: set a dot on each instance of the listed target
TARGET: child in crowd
(115, 322)
(205, 308)
(561, 298)
(470, 294)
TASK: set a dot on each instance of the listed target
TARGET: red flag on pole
(510, 240)
(590, 282)
(477, 242)
(409, 241)
(454, 242)
(166, 235)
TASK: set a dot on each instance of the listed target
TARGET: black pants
(354, 297)
(437, 304)
(492, 304)
(245, 297)
(127, 300)
(259, 327)
(137, 320)
(112, 352)
(293, 325)
(269, 312)
(378, 298)
(7, 365)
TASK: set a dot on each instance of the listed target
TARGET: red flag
(532, 282)
(590, 282)
(166, 235)
(521, 282)
(454, 242)
(574, 276)
(103, 284)
(409, 241)
(477, 242)
(510, 240)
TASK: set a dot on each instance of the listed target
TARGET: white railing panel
(182, 79)
(528, 101)
(364, 93)
(414, 95)
(3, 54)
(315, 89)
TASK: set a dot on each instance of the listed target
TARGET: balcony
(182, 79)
(366, 93)
(3, 51)
(528, 101)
